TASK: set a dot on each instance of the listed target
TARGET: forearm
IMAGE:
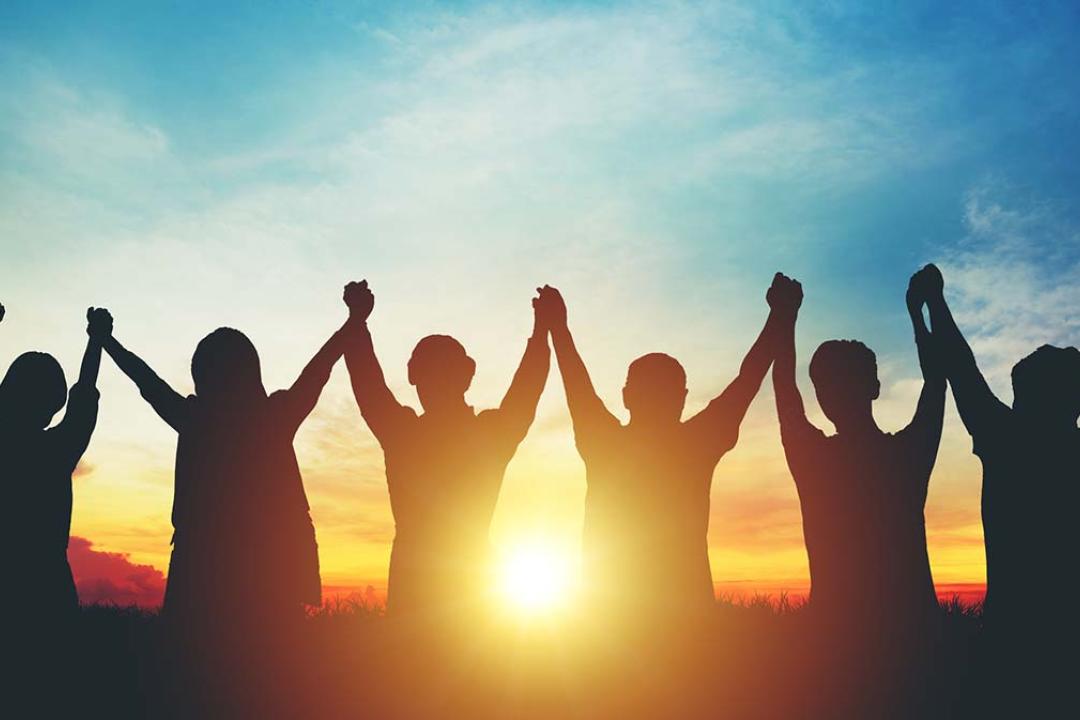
(930, 362)
(763, 351)
(318, 369)
(365, 373)
(91, 363)
(531, 375)
(950, 341)
(731, 405)
(580, 394)
(130, 364)
(789, 402)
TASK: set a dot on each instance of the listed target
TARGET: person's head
(441, 371)
(1046, 384)
(655, 390)
(226, 366)
(844, 373)
(33, 390)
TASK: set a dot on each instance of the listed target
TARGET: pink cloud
(104, 577)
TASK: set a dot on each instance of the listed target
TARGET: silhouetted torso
(647, 512)
(1030, 491)
(243, 541)
(37, 470)
(444, 475)
(862, 505)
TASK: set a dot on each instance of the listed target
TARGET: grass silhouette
(758, 657)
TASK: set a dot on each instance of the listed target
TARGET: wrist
(784, 314)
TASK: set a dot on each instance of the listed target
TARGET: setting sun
(535, 578)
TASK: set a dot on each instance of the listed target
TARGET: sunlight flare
(535, 578)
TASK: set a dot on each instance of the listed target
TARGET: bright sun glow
(535, 578)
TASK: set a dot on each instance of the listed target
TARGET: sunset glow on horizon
(656, 162)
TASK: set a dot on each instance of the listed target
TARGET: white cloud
(1011, 281)
(77, 135)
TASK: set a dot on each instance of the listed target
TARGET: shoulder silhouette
(444, 467)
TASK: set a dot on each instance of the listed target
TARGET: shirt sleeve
(988, 435)
(804, 447)
(72, 435)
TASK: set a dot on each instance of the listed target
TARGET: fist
(360, 299)
(924, 285)
(784, 294)
(549, 308)
(99, 323)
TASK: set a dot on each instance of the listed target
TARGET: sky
(190, 165)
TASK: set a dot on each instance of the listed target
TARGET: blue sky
(191, 165)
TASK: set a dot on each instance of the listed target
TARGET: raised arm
(794, 426)
(721, 417)
(377, 403)
(80, 418)
(518, 407)
(930, 412)
(587, 410)
(167, 403)
(975, 400)
(300, 399)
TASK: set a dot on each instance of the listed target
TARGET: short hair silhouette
(226, 363)
(847, 364)
(655, 387)
(844, 373)
(440, 369)
(1047, 382)
(34, 388)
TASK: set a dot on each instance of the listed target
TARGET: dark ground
(752, 660)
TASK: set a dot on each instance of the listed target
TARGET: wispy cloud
(1012, 280)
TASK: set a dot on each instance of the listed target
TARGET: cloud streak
(111, 578)
(1012, 279)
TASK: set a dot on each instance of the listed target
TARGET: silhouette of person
(862, 490)
(644, 541)
(445, 467)
(38, 462)
(1031, 463)
(244, 550)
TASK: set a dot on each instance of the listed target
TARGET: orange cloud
(104, 577)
